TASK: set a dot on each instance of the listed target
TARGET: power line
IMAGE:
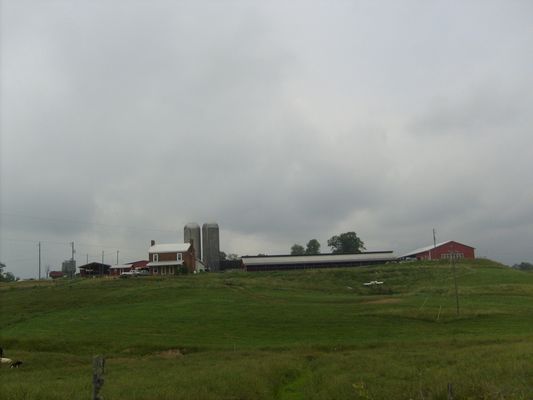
(106, 246)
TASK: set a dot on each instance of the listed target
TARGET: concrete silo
(191, 231)
(211, 246)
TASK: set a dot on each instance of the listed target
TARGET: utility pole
(102, 265)
(452, 259)
(117, 256)
(73, 251)
(434, 245)
(39, 245)
(87, 260)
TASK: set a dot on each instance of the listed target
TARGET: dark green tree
(297, 250)
(6, 276)
(313, 247)
(9, 277)
(524, 266)
(346, 243)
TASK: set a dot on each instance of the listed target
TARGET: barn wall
(443, 251)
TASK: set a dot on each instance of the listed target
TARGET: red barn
(442, 250)
(56, 274)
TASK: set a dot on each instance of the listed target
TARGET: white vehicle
(135, 272)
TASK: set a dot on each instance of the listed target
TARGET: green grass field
(314, 334)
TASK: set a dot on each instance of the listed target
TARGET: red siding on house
(443, 252)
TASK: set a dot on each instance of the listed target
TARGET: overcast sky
(121, 121)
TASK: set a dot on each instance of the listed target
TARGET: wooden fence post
(98, 376)
(450, 391)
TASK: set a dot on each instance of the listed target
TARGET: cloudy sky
(121, 121)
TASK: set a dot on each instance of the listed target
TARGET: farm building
(117, 270)
(171, 258)
(442, 250)
(285, 262)
(94, 269)
(141, 264)
(56, 274)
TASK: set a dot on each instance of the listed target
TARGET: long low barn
(284, 262)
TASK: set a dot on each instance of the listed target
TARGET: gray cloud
(122, 122)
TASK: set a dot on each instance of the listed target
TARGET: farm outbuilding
(285, 262)
(117, 270)
(440, 251)
(56, 274)
(94, 269)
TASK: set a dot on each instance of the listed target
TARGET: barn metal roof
(169, 248)
(319, 258)
(120, 266)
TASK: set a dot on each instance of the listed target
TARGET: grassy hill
(314, 334)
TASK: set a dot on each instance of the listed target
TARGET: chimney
(152, 242)
(191, 241)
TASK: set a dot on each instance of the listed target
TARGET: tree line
(524, 266)
(6, 276)
(345, 243)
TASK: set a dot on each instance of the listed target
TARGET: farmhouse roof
(164, 263)
(169, 248)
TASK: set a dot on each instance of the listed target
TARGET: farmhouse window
(156, 257)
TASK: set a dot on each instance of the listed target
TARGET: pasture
(313, 334)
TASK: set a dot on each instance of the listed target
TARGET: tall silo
(211, 246)
(191, 231)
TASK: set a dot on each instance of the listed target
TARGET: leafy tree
(221, 255)
(313, 247)
(6, 276)
(346, 243)
(524, 266)
(9, 277)
(297, 250)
